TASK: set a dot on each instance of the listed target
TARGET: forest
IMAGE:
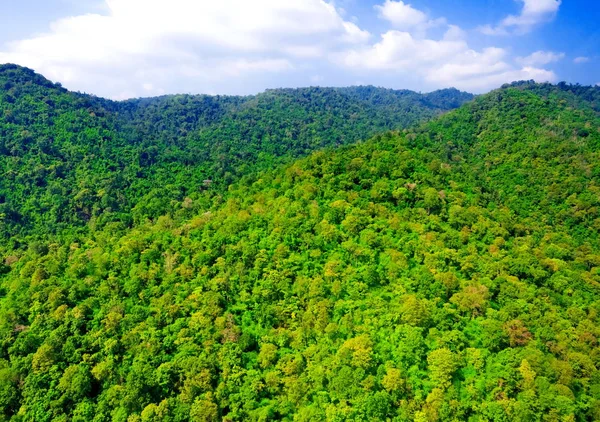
(69, 159)
(343, 254)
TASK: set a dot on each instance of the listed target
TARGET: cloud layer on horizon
(151, 47)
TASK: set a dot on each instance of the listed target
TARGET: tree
(442, 363)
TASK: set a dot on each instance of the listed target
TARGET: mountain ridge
(446, 271)
(148, 145)
(30, 75)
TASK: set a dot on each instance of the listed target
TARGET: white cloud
(454, 33)
(540, 58)
(441, 63)
(401, 51)
(533, 13)
(405, 17)
(485, 82)
(143, 43)
(581, 59)
(401, 15)
(152, 47)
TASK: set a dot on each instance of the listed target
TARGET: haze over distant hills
(308, 254)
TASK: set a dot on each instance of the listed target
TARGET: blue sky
(130, 48)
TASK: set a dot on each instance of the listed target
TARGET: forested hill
(69, 159)
(448, 272)
(579, 96)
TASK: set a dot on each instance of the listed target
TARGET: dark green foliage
(581, 96)
(69, 159)
(449, 272)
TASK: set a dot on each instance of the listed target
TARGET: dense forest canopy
(447, 271)
(68, 158)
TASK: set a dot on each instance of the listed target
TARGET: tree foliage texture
(448, 272)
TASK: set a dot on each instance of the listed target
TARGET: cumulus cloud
(484, 82)
(532, 13)
(152, 47)
(540, 58)
(142, 43)
(581, 59)
(449, 61)
(404, 16)
(454, 33)
(399, 50)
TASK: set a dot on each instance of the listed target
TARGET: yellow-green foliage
(446, 273)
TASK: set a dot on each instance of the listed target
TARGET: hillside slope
(451, 272)
(70, 159)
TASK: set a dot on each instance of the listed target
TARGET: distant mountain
(447, 272)
(69, 158)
